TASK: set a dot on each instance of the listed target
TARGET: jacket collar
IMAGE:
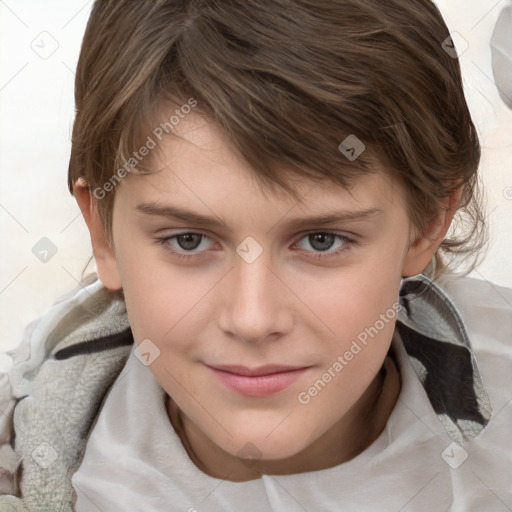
(437, 343)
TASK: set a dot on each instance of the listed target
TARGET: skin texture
(289, 306)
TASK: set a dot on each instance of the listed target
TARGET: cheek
(353, 356)
(360, 310)
(355, 298)
(166, 303)
(160, 312)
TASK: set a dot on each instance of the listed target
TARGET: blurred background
(45, 243)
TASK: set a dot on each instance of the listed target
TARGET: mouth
(260, 381)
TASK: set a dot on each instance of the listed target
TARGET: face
(259, 283)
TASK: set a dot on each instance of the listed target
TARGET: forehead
(196, 163)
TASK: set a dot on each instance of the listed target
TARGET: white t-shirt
(135, 461)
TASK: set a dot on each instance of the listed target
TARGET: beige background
(36, 112)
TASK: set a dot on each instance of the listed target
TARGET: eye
(322, 241)
(185, 243)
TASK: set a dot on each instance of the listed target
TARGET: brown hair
(287, 81)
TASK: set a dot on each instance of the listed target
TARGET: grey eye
(189, 241)
(321, 241)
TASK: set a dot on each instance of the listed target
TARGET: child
(274, 324)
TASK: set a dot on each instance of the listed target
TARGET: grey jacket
(71, 356)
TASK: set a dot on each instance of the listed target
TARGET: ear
(423, 248)
(106, 262)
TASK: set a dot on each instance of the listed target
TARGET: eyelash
(348, 243)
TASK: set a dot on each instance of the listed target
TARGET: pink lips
(261, 381)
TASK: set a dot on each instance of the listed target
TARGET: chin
(261, 445)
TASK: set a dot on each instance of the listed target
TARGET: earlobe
(106, 262)
(423, 248)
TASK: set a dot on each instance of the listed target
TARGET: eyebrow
(191, 217)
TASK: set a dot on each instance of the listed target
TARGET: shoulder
(90, 316)
(76, 349)
(486, 310)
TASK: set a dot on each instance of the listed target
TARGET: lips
(259, 381)
(268, 369)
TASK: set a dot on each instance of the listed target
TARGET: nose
(257, 305)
